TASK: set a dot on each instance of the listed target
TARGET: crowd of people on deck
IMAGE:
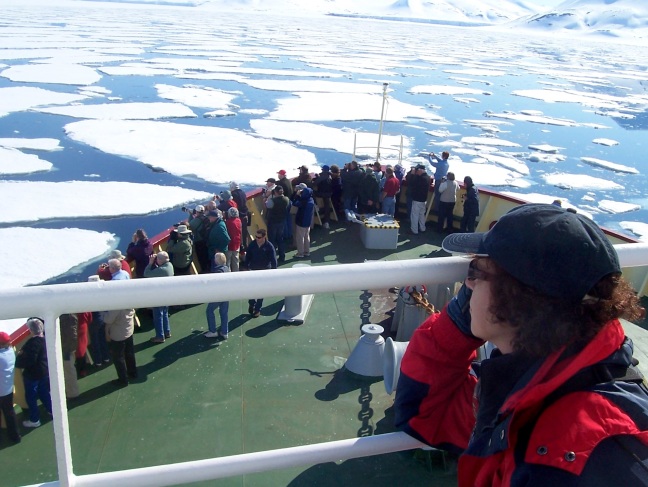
(217, 235)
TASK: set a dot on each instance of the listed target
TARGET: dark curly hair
(544, 324)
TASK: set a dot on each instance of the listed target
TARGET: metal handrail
(51, 301)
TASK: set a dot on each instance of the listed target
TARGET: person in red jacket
(104, 272)
(234, 229)
(558, 402)
(85, 319)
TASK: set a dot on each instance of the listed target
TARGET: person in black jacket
(351, 178)
(336, 191)
(239, 196)
(323, 184)
(419, 186)
(259, 255)
(470, 206)
(32, 358)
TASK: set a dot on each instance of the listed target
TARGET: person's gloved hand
(459, 310)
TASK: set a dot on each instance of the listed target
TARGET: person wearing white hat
(180, 249)
(159, 266)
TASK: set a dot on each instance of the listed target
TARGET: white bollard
(296, 308)
(367, 357)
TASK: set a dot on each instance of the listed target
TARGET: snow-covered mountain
(442, 11)
(618, 18)
(451, 11)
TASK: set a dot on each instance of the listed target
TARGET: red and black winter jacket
(526, 423)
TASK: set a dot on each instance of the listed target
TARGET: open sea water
(425, 54)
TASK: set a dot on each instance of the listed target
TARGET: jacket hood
(607, 347)
(219, 268)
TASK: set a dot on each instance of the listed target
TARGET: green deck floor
(270, 386)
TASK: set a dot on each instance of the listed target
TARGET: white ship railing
(49, 302)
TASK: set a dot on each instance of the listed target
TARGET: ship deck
(271, 385)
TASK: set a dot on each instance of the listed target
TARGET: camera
(184, 208)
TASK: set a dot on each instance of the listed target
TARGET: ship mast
(382, 119)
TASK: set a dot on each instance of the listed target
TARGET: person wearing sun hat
(558, 402)
(160, 266)
(7, 369)
(180, 247)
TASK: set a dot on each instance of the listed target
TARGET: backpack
(205, 228)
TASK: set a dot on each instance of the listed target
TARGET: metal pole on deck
(382, 117)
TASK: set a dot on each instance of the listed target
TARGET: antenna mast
(382, 117)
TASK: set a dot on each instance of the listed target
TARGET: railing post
(59, 405)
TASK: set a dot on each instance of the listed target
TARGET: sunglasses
(475, 273)
(259, 236)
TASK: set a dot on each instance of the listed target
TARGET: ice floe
(197, 96)
(579, 181)
(489, 141)
(213, 154)
(79, 199)
(507, 162)
(617, 206)
(542, 119)
(607, 142)
(547, 158)
(311, 107)
(340, 140)
(639, 229)
(66, 248)
(43, 144)
(21, 98)
(592, 161)
(447, 90)
(548, 148)
(66, 74)
(321, 86)
(123, 111)
(542, 198)
(588, 99)
(13, 161)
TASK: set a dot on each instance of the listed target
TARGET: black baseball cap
(557, 252)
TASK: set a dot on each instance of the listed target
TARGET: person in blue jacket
(302, 198)
(441, 167)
